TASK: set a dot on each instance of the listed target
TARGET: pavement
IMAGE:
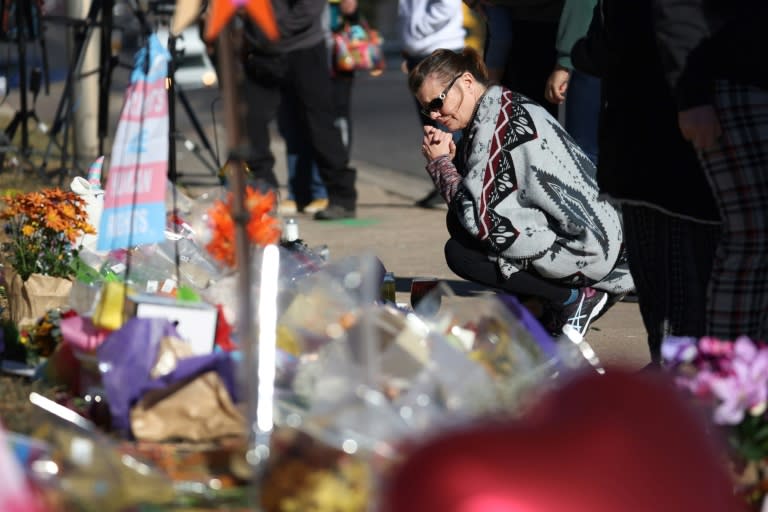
(407, 239)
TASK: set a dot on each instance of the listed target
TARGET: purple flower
(678, 349)
(744, 387)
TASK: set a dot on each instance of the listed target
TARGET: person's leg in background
(692, 252)
(582, 111)
(670, 259)
(342, 83)
(532, 57)
(498, 40)
(310, 79)
(645, 236)
(304, 183)
(306, 191)
(737, 171)
(264, 75)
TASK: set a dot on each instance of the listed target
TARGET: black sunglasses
(437, 103)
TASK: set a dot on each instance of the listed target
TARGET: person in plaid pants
(722, 96)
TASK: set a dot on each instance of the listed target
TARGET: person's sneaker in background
(287, 207)
(316, 205)
(335, 212)
(431, 200)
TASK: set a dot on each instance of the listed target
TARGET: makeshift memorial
(729, 381)
(41, 250)
(357, 380)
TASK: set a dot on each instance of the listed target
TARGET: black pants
(467, 257)
(670, 260)
(305, 75)
(531, 60)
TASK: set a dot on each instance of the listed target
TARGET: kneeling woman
(524, 213)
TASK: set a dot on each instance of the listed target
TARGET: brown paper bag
(196, 410)
(29, 300)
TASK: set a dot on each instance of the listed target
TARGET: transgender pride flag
(134, 198)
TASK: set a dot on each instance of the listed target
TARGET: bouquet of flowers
(729, 379)
(42, 231)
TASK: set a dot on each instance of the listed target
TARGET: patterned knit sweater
(528, 191)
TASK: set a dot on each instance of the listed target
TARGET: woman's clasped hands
(437, 143)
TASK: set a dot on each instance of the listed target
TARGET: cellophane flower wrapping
(365, 379)
(85, 470)
(728, 382)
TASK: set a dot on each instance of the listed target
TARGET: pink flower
(745, 385)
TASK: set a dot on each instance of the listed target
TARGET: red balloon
(614, 443)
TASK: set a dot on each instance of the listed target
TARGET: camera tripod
(27, 29)
(100, 16)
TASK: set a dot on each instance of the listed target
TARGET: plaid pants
(738, 174)
(670, 259)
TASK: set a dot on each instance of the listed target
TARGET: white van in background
(194, 69)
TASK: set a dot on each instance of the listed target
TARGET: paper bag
(199, 409)
(29, 300)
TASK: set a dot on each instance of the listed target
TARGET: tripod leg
(22, 47)
(198, 128)
(105, 72)
(64, 109)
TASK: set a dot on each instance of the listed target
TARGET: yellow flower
(27, 230)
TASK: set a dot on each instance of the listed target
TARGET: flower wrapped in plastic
(364, 378)
(729, 381)
(263, 227)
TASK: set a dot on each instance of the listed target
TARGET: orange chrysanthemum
(44, 227)
(262, 228)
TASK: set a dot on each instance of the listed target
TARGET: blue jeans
(582, 111)
(498, 37)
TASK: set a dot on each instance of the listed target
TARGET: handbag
(357, 47)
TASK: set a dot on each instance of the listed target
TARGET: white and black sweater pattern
(530, 193)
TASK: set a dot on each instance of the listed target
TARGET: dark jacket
(704, 40)
(300, 23)
(643, 157)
